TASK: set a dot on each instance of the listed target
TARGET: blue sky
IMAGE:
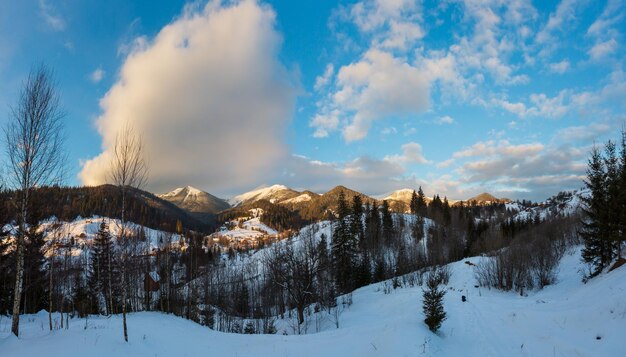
(459, 97)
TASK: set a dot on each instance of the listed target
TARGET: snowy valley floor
(565, 319)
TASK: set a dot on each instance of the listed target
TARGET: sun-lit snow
(257, 194)
(566, 319)
(305, 197)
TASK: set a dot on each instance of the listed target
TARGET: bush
(522, 265)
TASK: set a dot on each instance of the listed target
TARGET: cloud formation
(209, 96)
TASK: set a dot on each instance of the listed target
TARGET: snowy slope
(83, 230)
(562, 320)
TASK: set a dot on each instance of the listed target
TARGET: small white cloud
(560, 67)
(97, 75)
(444, 120)
(50, 16)
(411, 154)
(389, 130)
(603, 49)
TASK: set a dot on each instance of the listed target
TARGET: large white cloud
(210, 97)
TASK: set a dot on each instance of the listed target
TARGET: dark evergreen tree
(421, 207)
(447, 215)
(433, 303)
(35, 295)
(387, 220)
(372, 226)
(413, 205)
(344, 248)
(612, 186)
(594, 227)
(364, 270)
(356, 218)
(622, 196)
(102, 275)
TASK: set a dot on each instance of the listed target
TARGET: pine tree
(364, 270)
(447, 215)
(622, 196)
(414, 203)
(372, 227)
(612, 165)
(433, 303)
(388, 228)
(356, 218)
(102, 273)
(421, 206)
(34, 296)
(344, 248)
(594, 225)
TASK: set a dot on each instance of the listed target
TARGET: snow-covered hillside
(563, 204)
(83, 230)
(566, 319)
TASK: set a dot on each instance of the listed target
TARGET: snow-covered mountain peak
(272, 193)
(195, 200)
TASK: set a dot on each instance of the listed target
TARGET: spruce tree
(594, 224)
(447, 215)
(356, 218)
(622, 196)
(344, 248)
(612, 165)
(102, 273)
(388, 228)
(421, 206)
(372, 228)
(433, 303)
(414, 203)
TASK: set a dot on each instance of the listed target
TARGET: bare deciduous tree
(128, 170)
(34, 147)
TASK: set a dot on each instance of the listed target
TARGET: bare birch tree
(34, 147)
(129, 170)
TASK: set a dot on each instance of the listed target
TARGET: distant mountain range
(310, 205)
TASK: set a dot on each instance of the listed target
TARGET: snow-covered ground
(250, 228)
(566, 319)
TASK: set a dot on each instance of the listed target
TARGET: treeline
(604, 226)
(67, 203)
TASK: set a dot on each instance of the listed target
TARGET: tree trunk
(300, 314)
(19, 276)
(124, 267)
(19, 271)
(50, 289)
